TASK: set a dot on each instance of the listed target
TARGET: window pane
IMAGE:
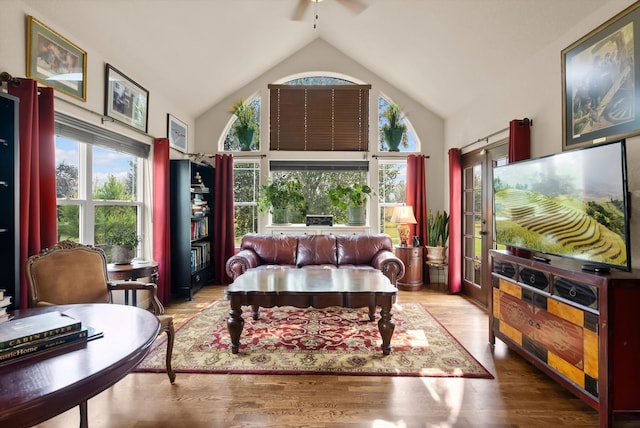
(113, 219)
(392, 192)
(246, 182)
(246, 221)
(315, 188)
(69, 222)
(231, 141)
(67, 163)
(115, 175)
(407, 146)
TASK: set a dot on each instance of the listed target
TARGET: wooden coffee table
(317, 288)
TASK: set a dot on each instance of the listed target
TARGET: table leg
(84, 417)
(372, 312)
(255, 312)
(235, 323)
(386, 326)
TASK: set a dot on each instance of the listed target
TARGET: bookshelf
(191, 197)
(9, 198)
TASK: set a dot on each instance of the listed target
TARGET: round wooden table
(38, 388)
(131, 272)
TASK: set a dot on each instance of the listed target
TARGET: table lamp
(403, 216)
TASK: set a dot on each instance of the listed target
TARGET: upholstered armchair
(69, 273)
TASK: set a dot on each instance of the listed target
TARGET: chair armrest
(390, 265)
(239, 263)
(158, 309)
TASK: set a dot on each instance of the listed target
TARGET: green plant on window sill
(245, 125)
(352, 196)
(281, 194)
(394, 132)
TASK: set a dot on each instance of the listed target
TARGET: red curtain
(223, 225)
(519, 139)
(38, 214)
(417, 198)
(161, 217)
(455, 221)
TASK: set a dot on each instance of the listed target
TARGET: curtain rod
(391, 156)
(524, 121)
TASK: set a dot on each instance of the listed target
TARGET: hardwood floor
(519, 396)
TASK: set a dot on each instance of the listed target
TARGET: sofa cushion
(316, 250)
(272, 249)
(360, 249)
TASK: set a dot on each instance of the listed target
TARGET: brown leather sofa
(264, 251)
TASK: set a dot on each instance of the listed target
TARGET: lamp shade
(403, 214)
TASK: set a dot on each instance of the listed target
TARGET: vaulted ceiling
(440, 52)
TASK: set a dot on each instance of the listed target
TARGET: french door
(477, 215)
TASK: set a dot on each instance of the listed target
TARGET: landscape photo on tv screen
(572, 204)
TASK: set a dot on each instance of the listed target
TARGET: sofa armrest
(239, 263)
(390, 265)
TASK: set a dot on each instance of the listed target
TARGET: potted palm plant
(280, 195)
(437, 236)
(123, 244)
(245, 126)
(352, 198)
(394, 131)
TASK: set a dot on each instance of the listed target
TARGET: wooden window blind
(319, 118)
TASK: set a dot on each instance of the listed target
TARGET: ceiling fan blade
(301, 8)
(355, 6)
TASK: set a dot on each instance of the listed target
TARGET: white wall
(535, 91)
(13, 23)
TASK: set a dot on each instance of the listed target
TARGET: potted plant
(437, 236)
(352, 198)
(245, 126)
(394, 131)
(123, 244)
(278, 196)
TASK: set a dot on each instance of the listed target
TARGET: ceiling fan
(355, 6)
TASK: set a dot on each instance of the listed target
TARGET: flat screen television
(572, 204)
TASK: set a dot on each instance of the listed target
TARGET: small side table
(412, 259)
(132, 272)
(440, 268)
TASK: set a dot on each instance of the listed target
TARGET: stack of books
(5, 301)
(36, 334)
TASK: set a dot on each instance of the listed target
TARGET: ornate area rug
(287, 340)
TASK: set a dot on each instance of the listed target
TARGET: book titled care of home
(36, 327)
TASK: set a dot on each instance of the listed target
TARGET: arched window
(231, 141)
(408, 143)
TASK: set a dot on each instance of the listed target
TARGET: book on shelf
(28, 329)
(5, 301)
(2, 291)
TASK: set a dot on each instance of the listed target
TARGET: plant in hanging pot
(123, 244)
(394, 131)
(245, 126)
(437, 236)
(352, 198)
(280, 195)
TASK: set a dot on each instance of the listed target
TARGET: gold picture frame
(601, 83)
(55, 61)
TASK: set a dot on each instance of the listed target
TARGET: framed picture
(600, 83)
(54, 61)
(177, 133)
(125, 100)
